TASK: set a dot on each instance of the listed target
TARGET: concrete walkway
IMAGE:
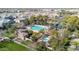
(24, 45)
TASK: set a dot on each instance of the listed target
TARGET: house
(21, 33)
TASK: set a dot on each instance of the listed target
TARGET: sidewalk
(24, 45)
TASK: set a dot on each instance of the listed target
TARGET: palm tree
(58, 41)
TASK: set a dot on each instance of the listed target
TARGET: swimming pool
(37, 27)
(45, 39)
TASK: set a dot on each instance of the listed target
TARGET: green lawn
(11, 46)
(27, 42)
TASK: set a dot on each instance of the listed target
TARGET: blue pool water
(37, 27)
(45, 39)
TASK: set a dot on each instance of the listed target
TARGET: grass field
(11, 46)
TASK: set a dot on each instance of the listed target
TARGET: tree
(31, 20)
(65, 43)
(40, 17)
(77, 34)
(57, 41)
(6, 25)
(26, 22)
(10, 32)
(70, 22)
(75, 43)
(41, 47)
(54, 41)
(53, 33)
(35, 36)
(29, 32)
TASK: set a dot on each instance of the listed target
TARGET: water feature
(37, 27)
(45, 39)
